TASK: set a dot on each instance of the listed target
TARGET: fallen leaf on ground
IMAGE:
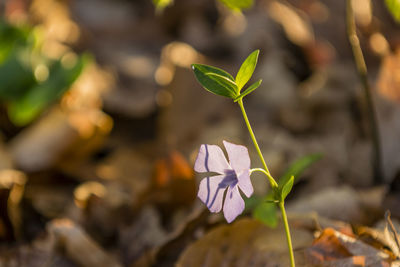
(336, 249)
(246, 242)
(174, 180)
(78, 245)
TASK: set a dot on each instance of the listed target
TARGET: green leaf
(286, 188)
(16, 77)
(12, 38)
(246, 70)
(250, 89)
(266, 213)
(222, 80)
(26, 108)
(296, 168)
(211, 80)
(211, 69)
(394, 8)
(251, 202)
(237, 4)
(162, 4)
(263, 209)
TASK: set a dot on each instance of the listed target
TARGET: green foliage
(246, 70)
(266, 213)
(12, 38)
(237, 5)
(26, 108)
(394, 8)
(16, 76)
(298, 167)
(214, 80)
(265, 207)
(224, 81)
(24, 95)
(15, 71)
(286, 188)
(250, 89)
(220, 82)
(161, 4)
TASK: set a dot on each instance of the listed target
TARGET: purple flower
(232, 176)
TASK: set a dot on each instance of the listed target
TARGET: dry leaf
(327, 247)
(167, 253)
(58, 136)
(78, 245)
(174, 178)
(383, 235)
(246, 242)
(333, 248)
(173, 167)
(145, 233)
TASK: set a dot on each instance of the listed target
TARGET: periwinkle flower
(231, 176)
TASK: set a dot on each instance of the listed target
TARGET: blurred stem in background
(362, 71)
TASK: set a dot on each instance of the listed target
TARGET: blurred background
(101, 118)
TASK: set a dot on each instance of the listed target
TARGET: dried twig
(363, 75)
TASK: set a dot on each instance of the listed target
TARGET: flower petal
(245, 184)
(239, 157)
(211, 192)
(211, 159)
(234, 204)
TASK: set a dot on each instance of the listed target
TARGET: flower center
(230, 179)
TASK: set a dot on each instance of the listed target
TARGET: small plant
(29, 80)
(236, 173)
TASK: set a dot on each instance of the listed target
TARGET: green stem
(287, 230)
(272, 180)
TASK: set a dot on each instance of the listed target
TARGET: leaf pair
(222, 83)
(265, 208)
